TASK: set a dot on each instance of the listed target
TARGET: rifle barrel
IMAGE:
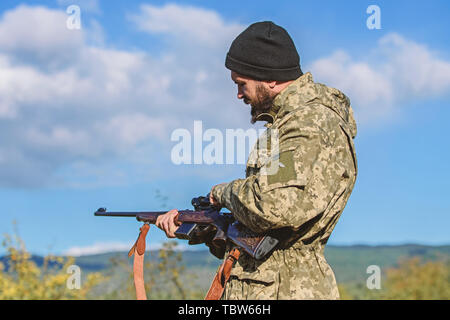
(103, 213)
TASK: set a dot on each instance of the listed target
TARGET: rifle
(206, 224)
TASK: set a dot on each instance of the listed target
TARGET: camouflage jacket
(299, 181)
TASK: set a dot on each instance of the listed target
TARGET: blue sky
(86, 115)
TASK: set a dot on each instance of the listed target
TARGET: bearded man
(315, 170)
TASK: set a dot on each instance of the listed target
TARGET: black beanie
(264, 51)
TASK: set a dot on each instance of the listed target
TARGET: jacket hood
(307, 91)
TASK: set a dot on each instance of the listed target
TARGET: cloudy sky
(87, 114)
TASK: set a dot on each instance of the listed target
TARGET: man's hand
(166, 222)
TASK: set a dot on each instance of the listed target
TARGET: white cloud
(98, 248)
(78, 105)
(395, 72)
(38, 35)
(417, 69)
(194, 25)
(107, 247)
(132, 129)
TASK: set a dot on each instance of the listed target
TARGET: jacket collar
(280, 106)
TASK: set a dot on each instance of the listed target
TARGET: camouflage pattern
(316, 171)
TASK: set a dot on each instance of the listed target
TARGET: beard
(262, 104)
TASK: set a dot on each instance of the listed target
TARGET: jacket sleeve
(298, 190)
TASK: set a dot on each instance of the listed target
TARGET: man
(315, 169)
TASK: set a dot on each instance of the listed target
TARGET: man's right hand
(166, 222)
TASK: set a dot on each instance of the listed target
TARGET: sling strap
(223, 274)
(217, 286)
(138, 250)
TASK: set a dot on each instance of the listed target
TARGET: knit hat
(264, 51)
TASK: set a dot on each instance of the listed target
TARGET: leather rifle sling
(223, 274)
(138, 250)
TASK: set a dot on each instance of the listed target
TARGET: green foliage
(412, 279)
(22, 279)
(416, 280)
(166, 277)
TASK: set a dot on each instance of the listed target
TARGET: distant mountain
(38, 260)
(191, 259)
